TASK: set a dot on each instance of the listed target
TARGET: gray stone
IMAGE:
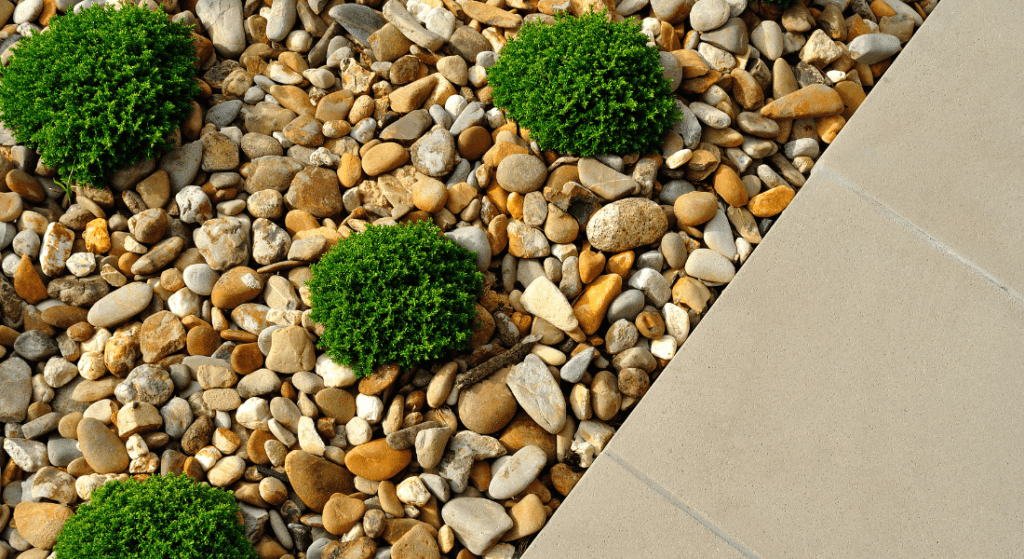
(225, 113)
(281, 20)
(732, 36)
(654, 286)
(41, 425)
(767, 38)
(474, 240)
(574, 369)
(16, 379)
(222, 242)
(61, 451)
(605, 181)
(360, 21)
(146, 383)
(511, 475)
(28, 455)
(621, 336)
(626, 306)
(538, 393)
(709, 14)
(177, 417)
(35, 345)
(120, 305)
(223, 22)
(477, 523)
(182, 164)
(874, 47)
(434, 154)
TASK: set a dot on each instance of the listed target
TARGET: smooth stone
(626, 224)
(474, 240)
(478, 523)
(873, 47)
(120, 305)
(103, 451)
(707, 15)
(516, 472)
(706, 264)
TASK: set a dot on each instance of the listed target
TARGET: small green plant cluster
(100, 89)
(401, 293)
(163, 517)
(585, 86)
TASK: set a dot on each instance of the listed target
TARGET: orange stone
(376, 461)
(771, 202)
(592, 305)
(729, 186)
(620, 263)
(563, 478)
(812, 101)
(27, 282)
(829, 127)
(591, 265)
(97, 239)
(881, 9)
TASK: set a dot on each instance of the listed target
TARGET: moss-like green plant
(585, 86)
(100, 89)
(402, 293)
(163, 517)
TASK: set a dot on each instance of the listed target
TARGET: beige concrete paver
(940, 138)
(855, 393)
(625, 517)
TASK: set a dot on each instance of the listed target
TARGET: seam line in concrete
(703, 520)
(841, 180)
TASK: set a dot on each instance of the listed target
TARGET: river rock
(626, 224)
(538, 393)
(478, 523)
(120, 305)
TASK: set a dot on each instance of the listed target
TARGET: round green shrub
(100, 89)
(163, 517)
(402, 293)
(585, 86)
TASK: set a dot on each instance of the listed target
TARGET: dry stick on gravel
(485, 369)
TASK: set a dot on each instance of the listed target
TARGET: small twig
(485, 369)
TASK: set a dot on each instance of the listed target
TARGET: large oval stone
(104, 452)
(376, 461)
(626, 224)
(120, 305)
(315, 479)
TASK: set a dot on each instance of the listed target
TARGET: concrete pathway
(857, 390)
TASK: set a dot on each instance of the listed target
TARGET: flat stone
(813, 101)
(538, 393)
(39, 523)
(315, 479)
(376, 461)
(516, 472)
(101, 448)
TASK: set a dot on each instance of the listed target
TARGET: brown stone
(101, 448)
(487, 406)
(341, 513)
(254, 447)
(621, 263)
(384, 157)
(381, 379)
(349, 170)
(359, 548)
(293, 99)
(246, 358)
(528, 517)
(564, 479)
(315, 479)
(523, 431)
(64, 316)
(161, 335)
(202, 340)
(591, 265)
(396, 528)
(236, 286)
(417, 543)
(376, 461)
(26, 185)
(317, 191)
(474, 142)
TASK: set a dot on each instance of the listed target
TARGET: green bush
(164, 517)
(402, 293)
(100, 89)
(585, 86)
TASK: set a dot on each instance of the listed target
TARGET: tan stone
(528, 517)
(96, 236)
(384, 157)
(417, 543)
(591, 265)
(487, 406)
(696, 208)
(39, 523)
(101, 448)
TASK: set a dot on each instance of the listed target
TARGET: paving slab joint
(696, 515)
(839, 179)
